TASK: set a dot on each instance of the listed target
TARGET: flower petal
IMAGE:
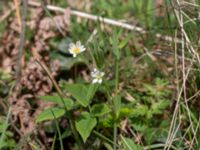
(95, 80)
(100, 81)
(78, 43)
(82, 49)
(102, 74)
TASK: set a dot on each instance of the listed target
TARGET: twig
(22, 39)
(107, 21)
(193, 139)
(184, 35)
(18, 13)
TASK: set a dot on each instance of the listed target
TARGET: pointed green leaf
(79, 92)
(140, 110)
(82, 93)
(100, 110)
(57, 99)
(130, 145)
(50, 114)
(85, 125)
(117, 105)
(91, 91)
(158, 107)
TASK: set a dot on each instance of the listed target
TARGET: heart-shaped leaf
(82, 93)
(85, 125)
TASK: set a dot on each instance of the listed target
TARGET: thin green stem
(5, 126)
(54, 141)
(116, 75)
(59, 133)
(116, 91)
(104, 137)
(115, 135)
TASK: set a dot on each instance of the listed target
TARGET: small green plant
(6, 136)
(99, 113)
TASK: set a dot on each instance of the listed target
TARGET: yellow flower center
(76, 50)
(98, 76)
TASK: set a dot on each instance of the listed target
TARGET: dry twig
(106, 20)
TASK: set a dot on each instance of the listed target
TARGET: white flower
(76, 49)
(97, 76)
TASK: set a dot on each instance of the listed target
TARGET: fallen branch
(106, 20)
(22, 40)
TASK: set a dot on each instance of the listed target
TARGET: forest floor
(99, 74)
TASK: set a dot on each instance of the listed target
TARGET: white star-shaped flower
(76, 48)
(97, 76)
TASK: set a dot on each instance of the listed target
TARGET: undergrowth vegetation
(69, 82)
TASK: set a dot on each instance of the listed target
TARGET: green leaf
(153, 135)
(79, 92)
(140, 110)
(100, 110)
(91, 91)
(64, 45)
(82, 93)
(124, 43)
(125, 112)
(130, 145)
(57, 99)
(158, 107)
(117, 105)
(50, 114)
(115, 45)
(139, 127)
(85, 125)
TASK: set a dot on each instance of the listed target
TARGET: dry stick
(185, 134)
(176, 110)
(107, 21)
(22, 39)
(196, 94)
(172, 126)
(185, 75)
(18, 13)
(44, 67)
(184, 35)
(194, 135)
(173, 122)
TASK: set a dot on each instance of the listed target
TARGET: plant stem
(116, 91)
(115, 135)
(5, 126)
(103, 137)
(116, 75)
(59, 133)
(72, 125)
